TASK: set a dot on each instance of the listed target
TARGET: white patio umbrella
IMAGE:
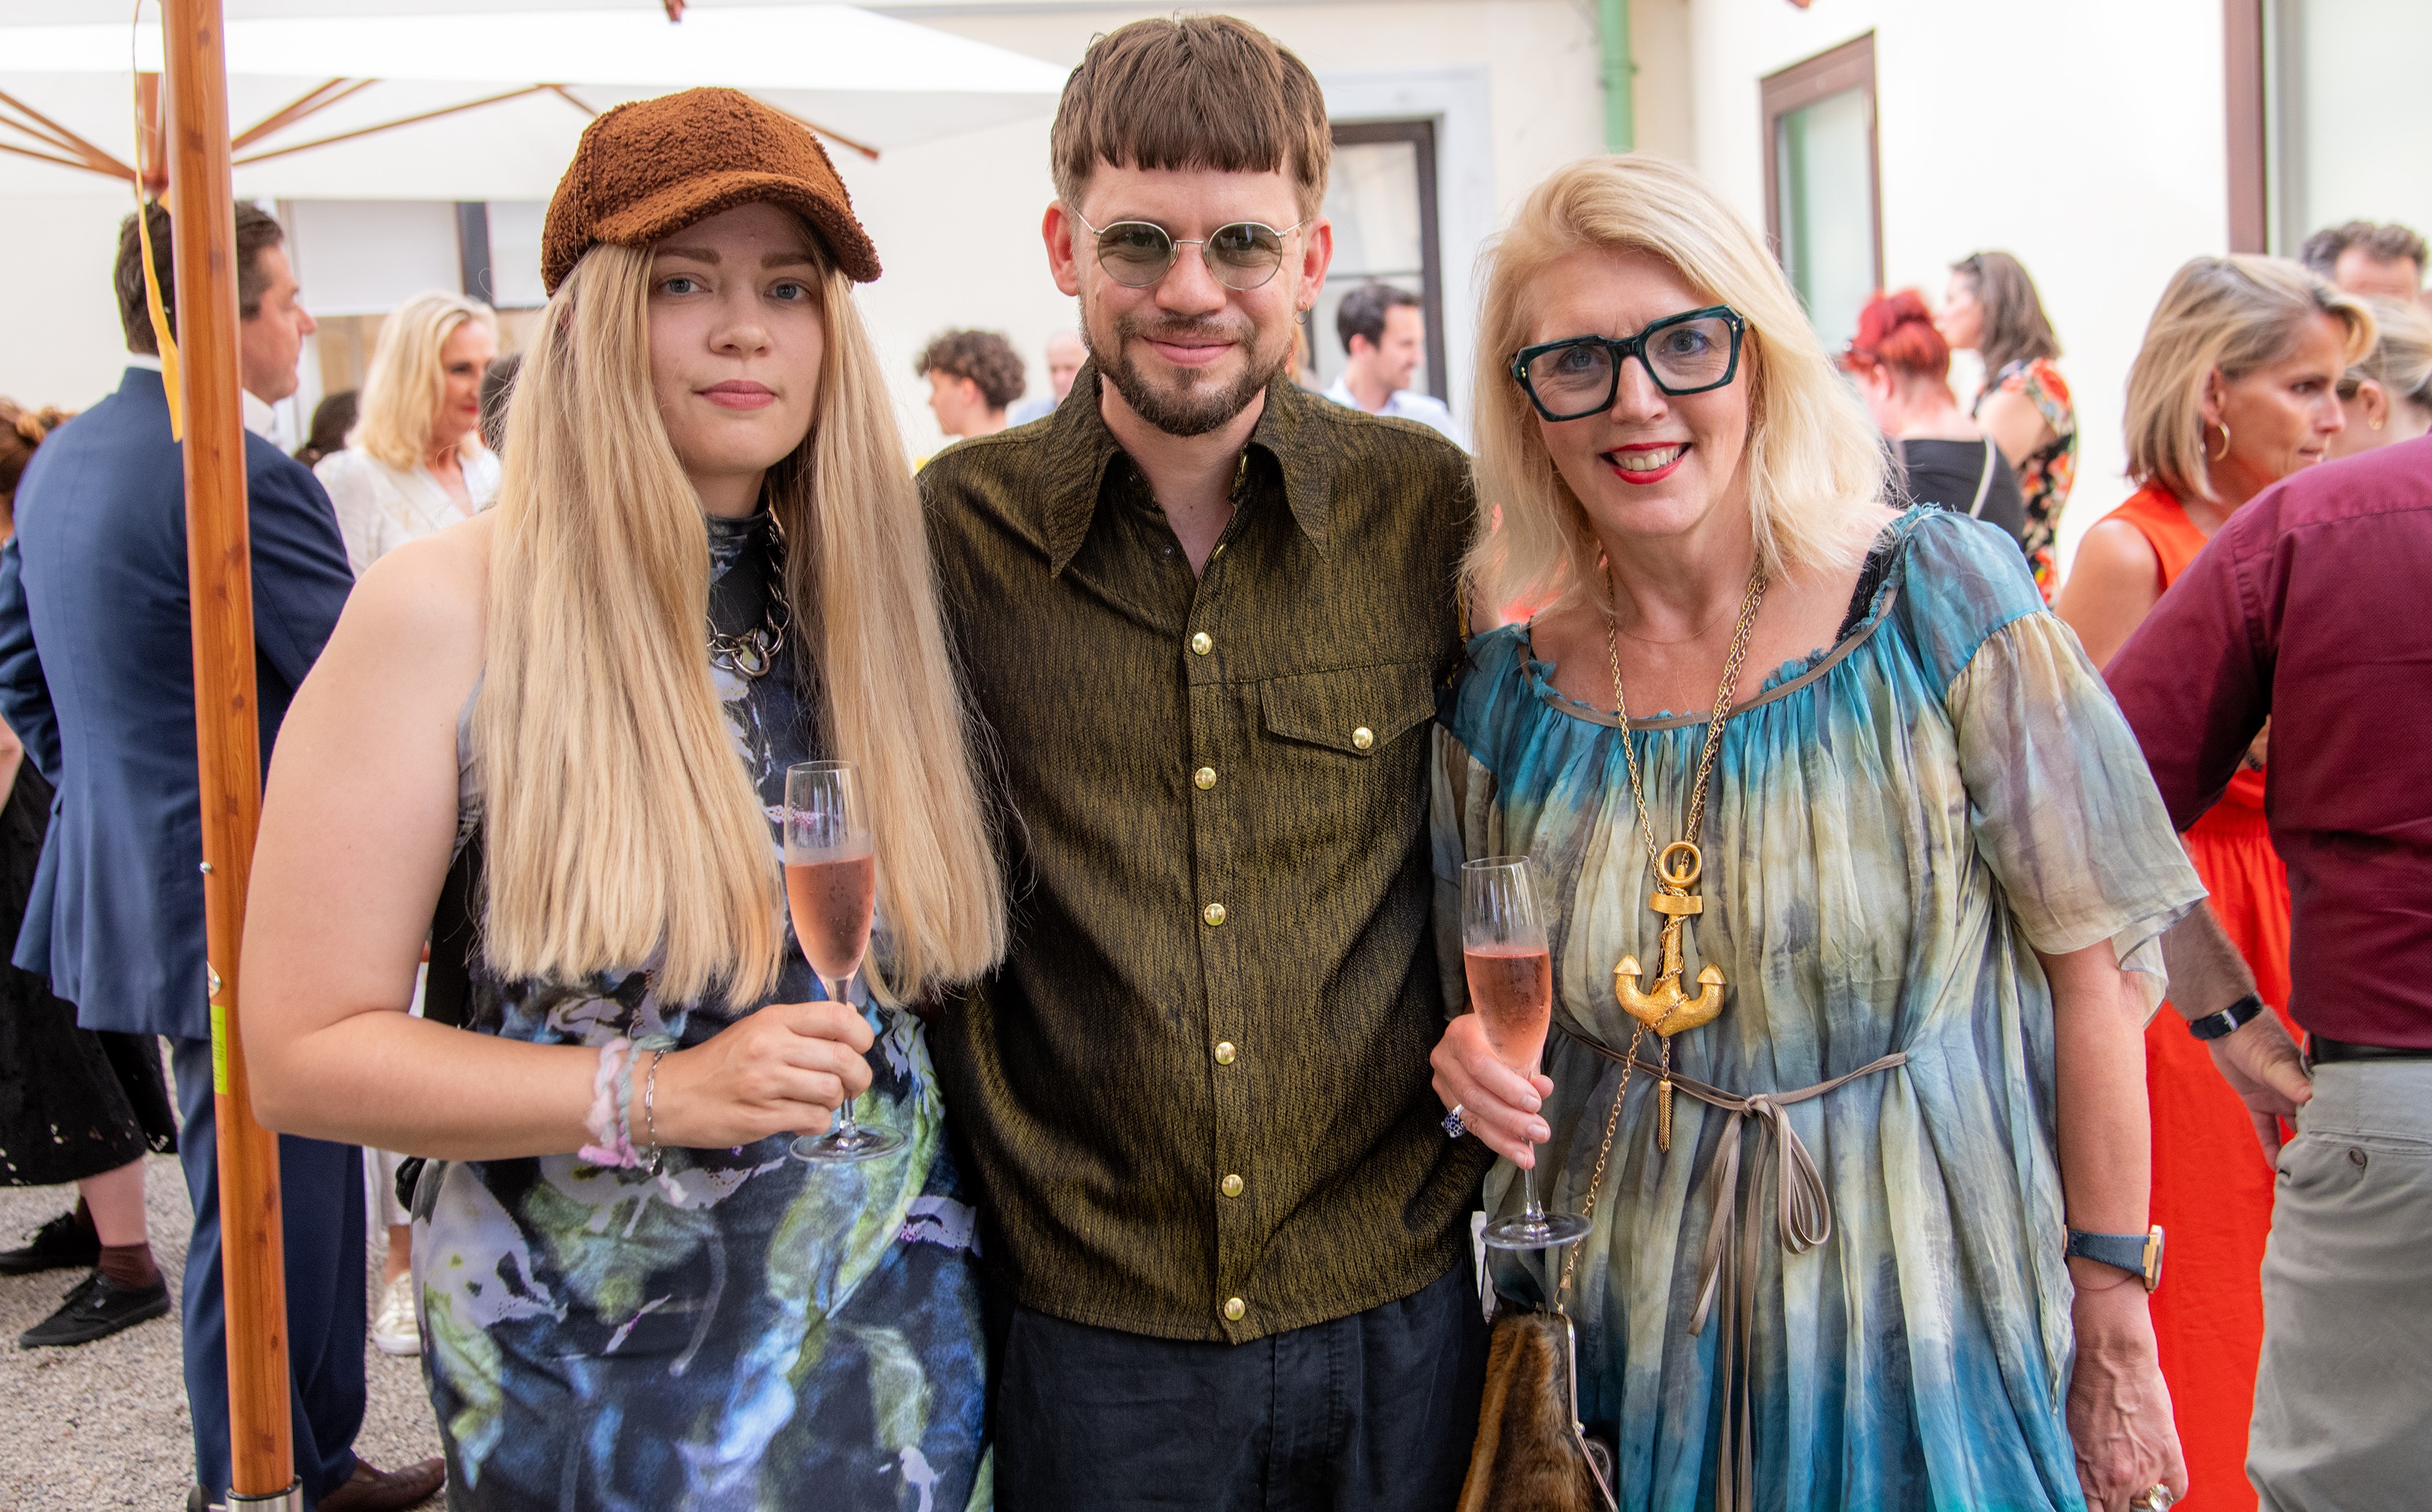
(487, 106)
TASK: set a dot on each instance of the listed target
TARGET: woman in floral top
(1992, 306)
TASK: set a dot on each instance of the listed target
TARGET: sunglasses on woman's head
(1241, 255)
(1688, 353)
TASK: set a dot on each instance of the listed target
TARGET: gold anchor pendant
(1668, 1010)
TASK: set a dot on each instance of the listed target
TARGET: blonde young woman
(414, 462)
(1924, 911)
(630, 1296)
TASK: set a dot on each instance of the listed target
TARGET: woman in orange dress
(2236, 387)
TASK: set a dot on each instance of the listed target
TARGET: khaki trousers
(2344, 1400)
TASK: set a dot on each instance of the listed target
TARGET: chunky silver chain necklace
(749, 653)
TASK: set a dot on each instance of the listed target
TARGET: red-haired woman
(1903, 367)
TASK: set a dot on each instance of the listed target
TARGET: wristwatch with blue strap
(2139, 1254)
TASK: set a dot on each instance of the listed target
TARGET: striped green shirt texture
(1195, 1096)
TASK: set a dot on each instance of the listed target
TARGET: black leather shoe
(59, 1245)
(98, 1308)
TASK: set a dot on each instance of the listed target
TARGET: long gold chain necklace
(1668, 1009)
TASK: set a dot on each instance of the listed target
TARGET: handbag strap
(1595, 1178)
(1983, 483)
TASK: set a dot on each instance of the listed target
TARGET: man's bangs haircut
(1192, 93)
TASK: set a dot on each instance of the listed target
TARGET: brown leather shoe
(372, 1491)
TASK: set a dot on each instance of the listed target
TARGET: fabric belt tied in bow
(1727, 1267)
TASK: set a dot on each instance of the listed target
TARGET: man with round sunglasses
(1204, 614)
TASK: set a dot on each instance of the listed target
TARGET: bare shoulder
(2115, 553)
(416, 622)
(1566, 635)
(2016, 425)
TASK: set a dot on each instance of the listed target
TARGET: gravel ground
(104, 1424)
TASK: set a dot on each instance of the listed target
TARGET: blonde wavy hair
(2226, 314)
(2400, 358)
(622, 827)
(1812, 463)
(404, 389)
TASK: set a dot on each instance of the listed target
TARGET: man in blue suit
(96, 675)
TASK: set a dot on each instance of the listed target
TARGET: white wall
(2084, 136)
(61, 341)
(1513, 85)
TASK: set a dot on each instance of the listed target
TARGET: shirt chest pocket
(1356, 711)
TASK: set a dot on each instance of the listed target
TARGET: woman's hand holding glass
(783, 1070)
(1511, 977)
(1497, 1103)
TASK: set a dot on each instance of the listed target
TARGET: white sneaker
(394, 1331)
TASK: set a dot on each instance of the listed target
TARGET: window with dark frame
(1381, 198)
(1823, 182)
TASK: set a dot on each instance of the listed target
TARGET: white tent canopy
(866, 79)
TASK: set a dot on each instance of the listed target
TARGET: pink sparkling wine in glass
(1512, 990)
(832, 898)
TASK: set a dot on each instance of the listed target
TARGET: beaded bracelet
(612, 1141)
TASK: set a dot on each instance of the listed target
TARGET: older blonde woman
(1892, 997)
(414, 462)
(2234, 388)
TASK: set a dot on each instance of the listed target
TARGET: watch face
(2153, 1257)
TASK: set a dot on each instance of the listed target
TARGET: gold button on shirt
(1314, 641)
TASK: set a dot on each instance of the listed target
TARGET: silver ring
(2154, 1498)
(1453, 1125)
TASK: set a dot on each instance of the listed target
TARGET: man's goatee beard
(1195, 410)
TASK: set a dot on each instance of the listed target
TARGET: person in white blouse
(414, 462)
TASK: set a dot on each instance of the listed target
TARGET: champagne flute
(831, 890)
(1512, 989)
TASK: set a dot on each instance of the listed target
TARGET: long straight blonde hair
(1814, 464)
(405, 383)
(622, 829)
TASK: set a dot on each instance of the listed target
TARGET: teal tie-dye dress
(1895, 827)
(750, 1332)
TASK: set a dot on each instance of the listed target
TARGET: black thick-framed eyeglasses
(1241, 255)
(1688, 353)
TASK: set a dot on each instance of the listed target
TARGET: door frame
(1851, 65)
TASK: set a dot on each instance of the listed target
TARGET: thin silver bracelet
(654, 1159)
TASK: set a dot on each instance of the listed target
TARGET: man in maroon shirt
(2309, 610)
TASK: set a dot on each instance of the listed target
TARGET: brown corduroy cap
(655, 166)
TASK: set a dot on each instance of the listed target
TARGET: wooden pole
(219, 561)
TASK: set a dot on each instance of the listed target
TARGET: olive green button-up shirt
(1197, 1094)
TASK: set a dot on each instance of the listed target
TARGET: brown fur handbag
(1531, 1453)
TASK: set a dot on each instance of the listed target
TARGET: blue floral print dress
(1895, 826)
(747, 1331)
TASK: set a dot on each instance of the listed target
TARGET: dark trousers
(1371, 1413)
(321, 1207)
